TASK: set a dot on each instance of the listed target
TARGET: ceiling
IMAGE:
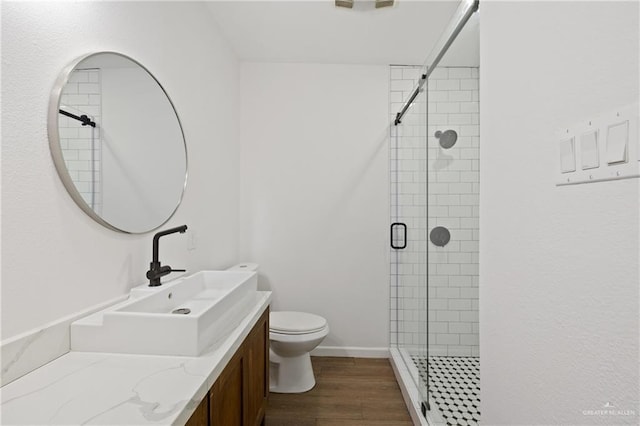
(316, 31)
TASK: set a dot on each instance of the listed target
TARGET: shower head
(448, 138)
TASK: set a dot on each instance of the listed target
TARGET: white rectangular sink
(179, 318)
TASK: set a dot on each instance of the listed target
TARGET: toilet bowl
(292, 336)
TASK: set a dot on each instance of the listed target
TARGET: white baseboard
(350, 352)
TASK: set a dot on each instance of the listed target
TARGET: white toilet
(293, 335)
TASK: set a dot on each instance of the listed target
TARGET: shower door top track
(460, 18)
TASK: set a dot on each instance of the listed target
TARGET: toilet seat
(295, 323)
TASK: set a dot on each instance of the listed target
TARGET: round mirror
(117, 142)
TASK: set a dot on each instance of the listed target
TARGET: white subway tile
(461, 234)
(459, 350)
(460, 95)
(447, 108)
(469, 107)
(79, 144)
(469, 339)
(461, 188)
(469, 153)
(439, 304)
(448, 200)
(470, 130)
(460, 304)
(450, 316)
(469, 269)
(470, 177)
(460, 281)
(468, 316)
(78, 76)
(437, 327)
(396, 73)
(93, 76)
(448, 269)
(440, 73)
(89, 88)
(448, 339)
(448, 177)
(470, 223)
(469, 84)
(448, 292)
(412, 73)
(402, 86)
(460, 211)
(438, 118)
(460, 72)
(438, 96)
(461, 165)
(75, 100)
(69, 88)
(459, 257)
(469, 199)
(84, 176)
(459, 327)
(447, 84)
(460, 119)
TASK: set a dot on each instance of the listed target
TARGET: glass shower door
(409, 220)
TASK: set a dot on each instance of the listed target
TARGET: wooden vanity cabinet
(239, 395)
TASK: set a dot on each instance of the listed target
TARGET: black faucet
(156, 270)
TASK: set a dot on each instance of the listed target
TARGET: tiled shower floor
(454, 385)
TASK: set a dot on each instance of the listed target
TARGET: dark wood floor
(348, 392)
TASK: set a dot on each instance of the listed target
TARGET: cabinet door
(257, 364)
(227, 395)
(200, 417)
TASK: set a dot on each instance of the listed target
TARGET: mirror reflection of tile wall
(81, 144)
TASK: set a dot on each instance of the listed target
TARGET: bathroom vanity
(239, 395)
(192, 350)
(225, 385)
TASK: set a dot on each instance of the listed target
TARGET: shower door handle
(404, 235)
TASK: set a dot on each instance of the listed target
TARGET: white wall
(314, 192)
(55, 259)
(558, 266)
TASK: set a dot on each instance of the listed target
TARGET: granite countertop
(117, 389)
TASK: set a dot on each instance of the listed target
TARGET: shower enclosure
(434, 175)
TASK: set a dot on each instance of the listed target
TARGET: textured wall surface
(314, 201)
(559, 281)
(55, 259)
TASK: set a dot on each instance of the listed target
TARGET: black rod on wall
(86, 121)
